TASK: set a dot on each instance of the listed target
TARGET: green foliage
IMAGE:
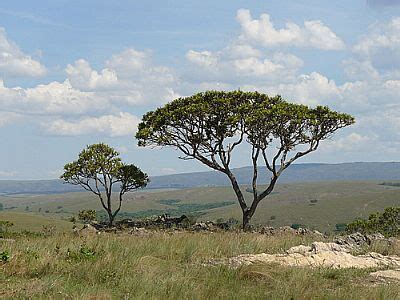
(189, 221)
(340, 227)
(1, 206)
(98, 169)
(209, 126)
(87, 215)
(298, 225)
(84, 253)
(386, 223)
(4, 256)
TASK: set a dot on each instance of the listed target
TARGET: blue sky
(74, 73)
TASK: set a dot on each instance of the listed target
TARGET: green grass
(319, 205)
(34, 223)
(169, 266)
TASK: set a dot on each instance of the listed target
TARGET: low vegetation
(386, 223)
(169, 266)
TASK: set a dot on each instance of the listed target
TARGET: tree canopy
(209, 126)
(99, 169)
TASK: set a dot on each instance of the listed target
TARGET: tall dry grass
(169, 266)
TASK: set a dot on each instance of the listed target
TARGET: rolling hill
(310, 172)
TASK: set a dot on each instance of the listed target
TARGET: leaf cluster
(386, 223)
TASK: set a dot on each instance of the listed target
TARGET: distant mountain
(309, 172)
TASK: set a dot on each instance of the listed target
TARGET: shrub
(386, 223)
(340, 227)
(87, 215)
(4, 256)
(272, 218)
(1, 206)
(5, 225)
(297, 226)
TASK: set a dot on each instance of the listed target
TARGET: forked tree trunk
(247, 215)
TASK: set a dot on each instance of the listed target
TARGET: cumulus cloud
(381, 46)
(312, 34)
(310, 89)
(15, 63)
(123, 124)
(242, 63)
(202, 59)
(53, 98)
(130, 77)
(82, 76)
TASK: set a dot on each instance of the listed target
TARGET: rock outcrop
(387, 275)
(319, 254)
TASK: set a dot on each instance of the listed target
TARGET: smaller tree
(99, 169)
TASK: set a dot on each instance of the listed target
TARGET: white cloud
(129, 61)
(123, 124)
(13, 62)
(381, 46)
(309, 89)
(255, 66)
(353, 142)
(130, 77)
(262, 31)
(202, 59)
(239, 62)
(8, 118)
(82, 76)
(52, 98)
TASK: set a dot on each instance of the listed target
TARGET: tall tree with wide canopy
(209, 126)
(99, 169)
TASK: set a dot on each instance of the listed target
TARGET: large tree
(209, 126)
(99, 169)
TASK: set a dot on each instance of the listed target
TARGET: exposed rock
(387, 275)
(268, 230)
(320, 254)
(86, 230)
(139, 231)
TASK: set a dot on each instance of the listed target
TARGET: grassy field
(34, 223)
(318, 205)
(169, 266)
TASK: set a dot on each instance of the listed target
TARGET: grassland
(318, 205)
(34, 223)
(169, 266)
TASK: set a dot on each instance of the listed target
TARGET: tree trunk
(246, 220)
(110, 218)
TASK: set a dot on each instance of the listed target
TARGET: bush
(386, 223)
(340, 227)
(5, 225)
(1, 206)
(4, 256)
(87, 216)
(297, 226)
